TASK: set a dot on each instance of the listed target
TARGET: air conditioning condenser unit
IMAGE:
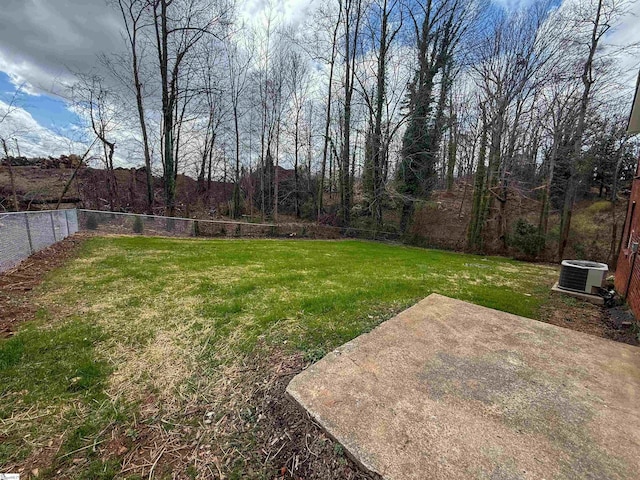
(582, 276)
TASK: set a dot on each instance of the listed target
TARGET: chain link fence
(131, 223)
(154, 225)
(24, 233)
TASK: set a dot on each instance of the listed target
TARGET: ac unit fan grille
(573, 278)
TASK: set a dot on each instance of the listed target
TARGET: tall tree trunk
(203, 164)
(451, 152)
(168, 100)
(145, 145)
(587, 81)
(209, 170)
(476, 223)
(327, 122)
(7, 162)
(132, 34)
(236, 188)
(296, 198)
(378, 148)
(350, 45)
(502, 226)
(310, 190)
(276, 185)
(543, 225)
(263, 163)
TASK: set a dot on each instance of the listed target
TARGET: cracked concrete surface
(451, 390)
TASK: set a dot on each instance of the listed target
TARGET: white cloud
(257, 12)
(34, 139)
(31, 78)
(628, 33)
(43, 41)
(618, 44)
(512, 5)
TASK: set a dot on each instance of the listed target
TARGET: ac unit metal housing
(582, 276)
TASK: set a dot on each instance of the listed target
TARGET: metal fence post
(66, 217)
(26, 221)
(53, 227)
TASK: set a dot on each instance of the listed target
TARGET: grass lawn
(139, 337)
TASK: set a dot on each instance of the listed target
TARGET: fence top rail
(33, 212)
(234, 222)
(354, 229)
(228, 222)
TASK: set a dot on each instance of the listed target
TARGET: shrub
(330, 219)
(92, 222)
(527, 238)
(138, 226)
(309, 210)
(579, 251)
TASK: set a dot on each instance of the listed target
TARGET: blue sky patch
(48, 111)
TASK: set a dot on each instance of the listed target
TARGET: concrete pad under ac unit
(586, 297)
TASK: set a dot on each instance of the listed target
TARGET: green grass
(133, 316)
(599, 207)
(52, 363)
(309, 294)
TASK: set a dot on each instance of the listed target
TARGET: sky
(42, 42)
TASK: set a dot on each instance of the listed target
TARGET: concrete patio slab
(451, 390)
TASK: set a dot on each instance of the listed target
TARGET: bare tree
(238, 62)
(560, 101)
(176, 35)
(351, 20)
(133, 16)
(382, 38)
(100, 106)
(599, 16)
(438, 27)
(11, 107)
(299, 85)
(214, 111)
(331, 60)
(509, 58)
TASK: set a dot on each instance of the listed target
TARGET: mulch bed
(17, 283)
(295, 446)
(588, 318)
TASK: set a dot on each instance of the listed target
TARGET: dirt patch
(255, 431)
(587, 318)
(17, 283)
(297, 447)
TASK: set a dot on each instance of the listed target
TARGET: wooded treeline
(353, 112)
